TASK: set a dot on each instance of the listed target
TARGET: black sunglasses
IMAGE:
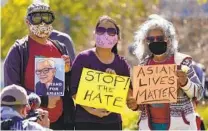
(102, 30)
(44, 71)
(155, 38)
(39, 17)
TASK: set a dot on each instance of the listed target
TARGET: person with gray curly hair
(155, 43)
(142, 40)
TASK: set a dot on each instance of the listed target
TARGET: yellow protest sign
(102, 90)
(155, 84)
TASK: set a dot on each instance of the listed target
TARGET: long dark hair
(105, 17)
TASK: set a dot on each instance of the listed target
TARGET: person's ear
(27, 22)
(23, 111)
(93, 35)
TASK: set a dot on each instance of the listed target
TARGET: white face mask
(42, 30)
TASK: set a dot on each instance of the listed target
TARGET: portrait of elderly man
(48, 83)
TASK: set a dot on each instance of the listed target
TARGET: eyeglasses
(39, 17)
(44, 71)
(102, 30)
(155, 38)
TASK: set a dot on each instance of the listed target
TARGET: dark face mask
(158, 48)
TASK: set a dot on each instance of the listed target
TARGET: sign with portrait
(49, 76)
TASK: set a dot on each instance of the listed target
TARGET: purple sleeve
(76, 72)
(126, 69)
(66, 40)
(12, 67)
(70, 47)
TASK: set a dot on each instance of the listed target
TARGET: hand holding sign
(52, 100)
(181, 73)
(110, 71)
(96, 112)
(100, 112)
(102, 90)
(67, 62)
(182, 78)
(132, 103)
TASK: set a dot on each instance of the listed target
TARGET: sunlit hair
(141, 50)
(50, 62)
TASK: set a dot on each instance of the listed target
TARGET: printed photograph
(49, 76)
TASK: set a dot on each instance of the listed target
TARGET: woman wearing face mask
(156, 44)
(104, 58)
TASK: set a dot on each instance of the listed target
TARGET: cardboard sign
(49, 76)
(102, 90)
(155, 84)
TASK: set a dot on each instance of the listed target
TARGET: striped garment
(182, 112)
(26, 125)
(18, 125)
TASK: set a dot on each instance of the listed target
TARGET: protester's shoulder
(121, 59)
(58, 42)
(183, 59)
(182, 55)
(85, 54)
(20, 42)
(61, 34)
(17, 48)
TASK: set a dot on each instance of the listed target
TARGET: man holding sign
(19, 67)
(165, 101)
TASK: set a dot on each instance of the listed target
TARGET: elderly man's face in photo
(45, 72)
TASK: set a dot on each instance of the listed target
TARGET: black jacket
(14, 73)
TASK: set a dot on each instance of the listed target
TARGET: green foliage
(130, 119)
(83, 15)
(203, 112)
(12, 23)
